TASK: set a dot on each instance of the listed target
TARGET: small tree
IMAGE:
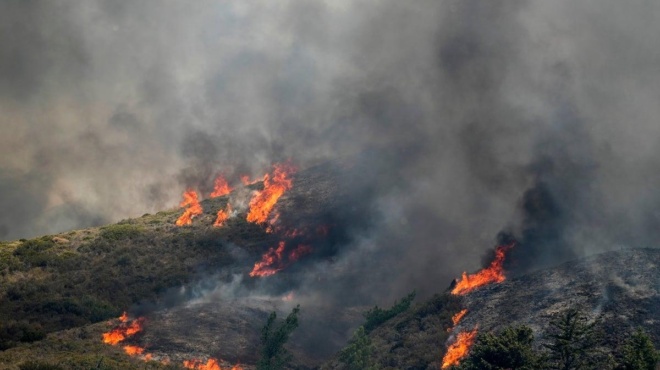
(511, 349)
(377, 315)
(574, 342)
(273, 354)
(357, 354)
(639, 353)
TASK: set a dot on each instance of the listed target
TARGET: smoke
(452, 121)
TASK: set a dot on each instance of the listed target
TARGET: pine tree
(574, 342)
(511, 349)
(639, 353)
(273, 354)
(357, 354)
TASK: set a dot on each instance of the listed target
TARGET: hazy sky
(537, 117)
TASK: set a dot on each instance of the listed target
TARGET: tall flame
(459, 349)
(191, 201)
(494, 273)
(223, 215)
(274, 187)
(221, 188)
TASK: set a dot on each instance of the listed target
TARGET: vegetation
(510, 349)
(574, 342)
(376, 316)
(638, 353)
(273, 338)
(357, 354)
(64, 281)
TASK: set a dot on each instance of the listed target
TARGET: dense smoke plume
(468, 118)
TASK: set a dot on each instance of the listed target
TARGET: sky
(536, 119)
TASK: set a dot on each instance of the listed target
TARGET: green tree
(510, 349)
(573, 342)
(273, 338)
(639, 353)
(357, 354)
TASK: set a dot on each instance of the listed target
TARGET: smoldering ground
(533, 117)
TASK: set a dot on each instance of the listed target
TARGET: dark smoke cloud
(466, 117)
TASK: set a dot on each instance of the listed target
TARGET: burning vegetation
(494, 273)
(191, 201)
(275, 185)
(459, 349)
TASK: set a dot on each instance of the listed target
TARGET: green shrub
(376, 316)
(32, 365)
(121, 232)
(639, 353)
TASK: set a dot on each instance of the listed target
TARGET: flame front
(191, 201)
(221, 188)
(494, 273)
(459, 349)
(274, 187)
(211, 364)
(223, 215)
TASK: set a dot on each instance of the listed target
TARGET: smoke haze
(538, 118)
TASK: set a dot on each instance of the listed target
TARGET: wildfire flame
(271, 262)
(133, 350)
(221, 188)
(458, 316)
(223, 215)
(191, 201)
(494, 273)
(211, 364)
(125, 330)
(274, 187)
(459, 349)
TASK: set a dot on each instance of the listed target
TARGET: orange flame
(125, 330)
(223, 215)
(191, 201)
(221, 188)
(274, 187)
(271, 262)
(494, 273)
(133, 350)
(211, 364)
(459, 349)
(458, 316)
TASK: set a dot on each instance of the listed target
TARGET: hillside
(193, 292)
(622, 288)
(59, 293)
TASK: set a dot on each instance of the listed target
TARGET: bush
(639, 353)
(376, 316)
(32, 365)
(121, 232)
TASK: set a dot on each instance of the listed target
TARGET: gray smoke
(538, 118)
